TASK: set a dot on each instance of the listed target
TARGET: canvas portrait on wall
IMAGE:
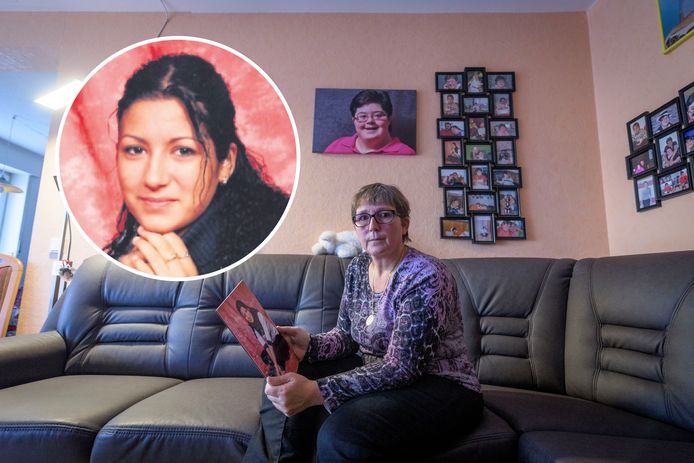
(364, 121)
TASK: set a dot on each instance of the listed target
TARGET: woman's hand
(298, 339)
(160, 254)
(292, 393)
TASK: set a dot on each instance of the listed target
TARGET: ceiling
(303, 6)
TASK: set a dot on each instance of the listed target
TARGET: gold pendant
(369, 319)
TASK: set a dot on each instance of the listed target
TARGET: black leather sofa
(581, 361)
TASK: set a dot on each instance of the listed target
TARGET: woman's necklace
(377, 296)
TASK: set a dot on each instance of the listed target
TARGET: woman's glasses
(377, 116)
(385, 216)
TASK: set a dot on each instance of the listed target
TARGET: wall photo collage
(661, 145)
(480, 176)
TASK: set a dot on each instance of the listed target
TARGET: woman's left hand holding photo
(160, 254)
(292, 393)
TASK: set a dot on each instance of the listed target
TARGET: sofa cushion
(629, 342)
(547, 447)
(514, 311)
(528, 411)
(210, 419)
(492, 441)
(56, 420)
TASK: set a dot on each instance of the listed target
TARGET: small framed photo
(456, 228)
(510, 229)
(638, 131)
(505, 151)
(483, 229)
(641, 162)
(476, 105)
(688, 135)
(644, 191)
(508, 204)
(674, 182)
(666, 117)
(503, 128)
(669, 148)
(479, 152)
(482, 201)
(477, 128)
(450, 104)
(507, 177)
(452, 151)
(687, 101)
(450, 128)
(453, 176)
(474, 80)
(503, 105)
(501, 81)
(449, 81)
(479, 177)
(454, 202)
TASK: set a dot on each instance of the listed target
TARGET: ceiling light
(60, 98)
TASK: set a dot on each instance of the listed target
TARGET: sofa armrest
(31, 357)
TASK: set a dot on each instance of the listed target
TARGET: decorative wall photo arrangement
(479, 175)
(365, 121)
(661, 146)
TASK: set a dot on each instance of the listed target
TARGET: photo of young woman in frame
(160, 157)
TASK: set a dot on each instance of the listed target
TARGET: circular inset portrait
(178, 157)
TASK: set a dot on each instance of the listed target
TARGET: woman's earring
(224, 180)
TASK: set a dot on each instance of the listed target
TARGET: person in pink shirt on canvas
(372, 113)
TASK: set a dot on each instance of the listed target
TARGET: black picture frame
(483, 180)
(450, 156)
(664, 143)
(443, 132)
(496, 79)
(441, 81)
(508, 202)
(505, 151)
(498, 108)
(483, 229)
(645, 192)
(478, 152)
(447, 176)
(687, 102)
(477, 128)
(481, 202)
(479, 105)
(641, 162)
(510, 228)
(674, 182)
(496, 125)
(507, 177)
(475, 81)
(448, 109)
(454, 202)
(671, 109)
(688, 136)
(639, 137)
(456, 228)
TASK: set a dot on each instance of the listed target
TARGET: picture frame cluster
(479, 175)
(661, 151)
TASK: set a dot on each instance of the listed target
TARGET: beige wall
(562, 197)
(632, 75)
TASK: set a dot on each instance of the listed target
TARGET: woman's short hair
(371, 96)
(384, 194)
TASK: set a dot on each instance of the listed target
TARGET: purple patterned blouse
(418, 329)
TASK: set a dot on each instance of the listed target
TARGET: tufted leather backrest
(630, 342)
(514, 317)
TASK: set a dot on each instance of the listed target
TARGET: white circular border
(286, 107)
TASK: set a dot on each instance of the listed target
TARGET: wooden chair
(11, 270)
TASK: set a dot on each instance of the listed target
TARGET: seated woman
(372, 113)
(393, 374)
(193, 203)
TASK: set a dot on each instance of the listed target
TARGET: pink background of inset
(87, 148)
